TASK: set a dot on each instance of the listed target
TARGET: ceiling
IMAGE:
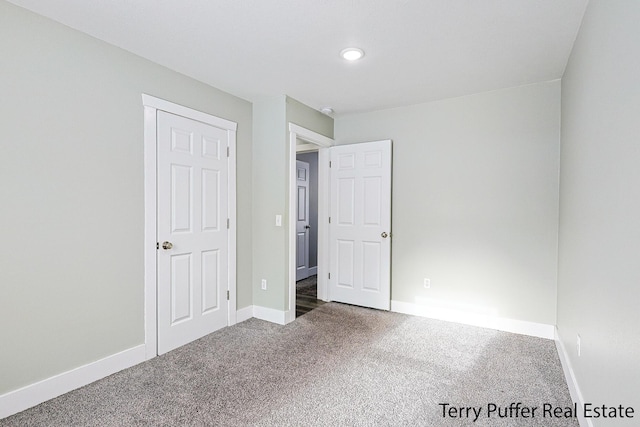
(415, 50)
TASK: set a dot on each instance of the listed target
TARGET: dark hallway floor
(307, 295)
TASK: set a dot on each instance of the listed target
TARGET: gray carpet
(338, 365)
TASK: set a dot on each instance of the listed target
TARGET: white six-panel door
(302, 221)
(360, 228)
(192, 230)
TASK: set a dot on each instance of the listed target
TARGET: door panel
(371, 255)
(192, 215)
(181, 186)
(372, 200)
(359, 233)
(346, 201)
(181, 288)
(302, 224)
(210, 200)
(210, 280)
(345, 263)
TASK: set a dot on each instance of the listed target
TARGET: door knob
(167, 245)
(307, 227)
(384, 235)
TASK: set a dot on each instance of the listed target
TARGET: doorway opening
(306, 231)
(304, 140)
(354, 226)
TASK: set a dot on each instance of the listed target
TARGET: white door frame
(321, 143)
(151, 106)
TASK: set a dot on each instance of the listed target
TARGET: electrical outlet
(578, 344)
(263, 285)
(427, 283)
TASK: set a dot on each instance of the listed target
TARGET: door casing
(151, 106)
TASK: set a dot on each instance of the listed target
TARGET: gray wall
(312, 159)
(271, 118)
(71, 185)
(599, 266)
(309, 118)
(269, 194)
(475, 199)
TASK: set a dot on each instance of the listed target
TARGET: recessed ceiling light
(352, 53)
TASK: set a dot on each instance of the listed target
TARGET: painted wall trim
(190, 113)
(523, 327)
(232, 286)
(262, 313)
(150, 224)
(306, 148)
(572, 382)
(270, 314)
(322, 267)
(151, 106)
(26, 397)
(310, 136)
(243, 314)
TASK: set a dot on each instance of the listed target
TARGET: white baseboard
(313, 271)
(289, 316)
(244, 314)
(264, 313)
(540, 330)
(572, 383)
(270, 315)
(34, 394)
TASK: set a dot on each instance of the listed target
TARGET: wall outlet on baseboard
(578, 344)
(427, 283)
(263, 284)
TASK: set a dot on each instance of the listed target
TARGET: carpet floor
(338, 365)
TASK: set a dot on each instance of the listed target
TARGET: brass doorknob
(167, 245)
(384, 235)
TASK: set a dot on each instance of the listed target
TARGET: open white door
(302, 221)
(193, 233)
(360, 224)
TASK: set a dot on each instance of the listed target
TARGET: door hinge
(227, 151)
(157, 245)
(329, 163)
(227, 223)
(329, 220)
(227, 295)
(329, 276)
